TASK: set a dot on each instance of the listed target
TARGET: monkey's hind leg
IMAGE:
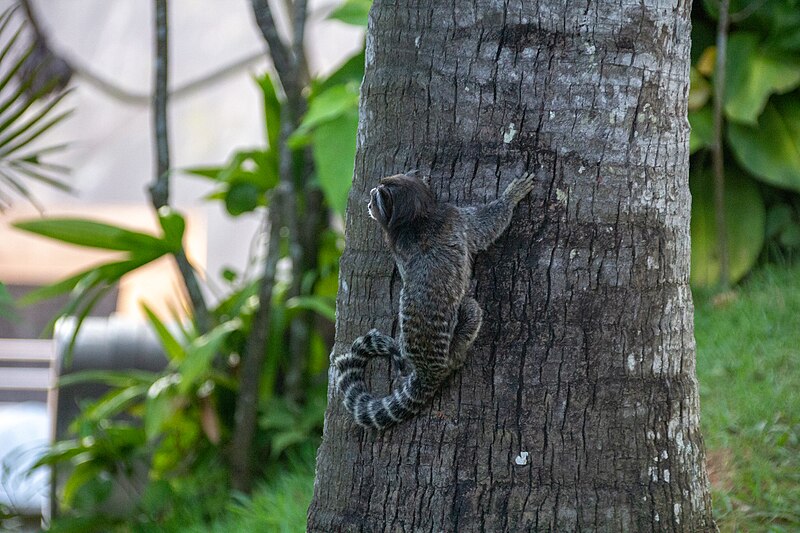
(470, 318)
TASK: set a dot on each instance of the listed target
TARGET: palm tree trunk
(578, 408)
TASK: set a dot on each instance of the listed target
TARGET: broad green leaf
(109, 273)
(242, 198)
(174, 227)
(201, 352)
(272, 110)
(334, 151)
(94, 235)
(745, 219)
(337, 101)
(354, 12)
(702, 122)
(753, 73)
(771, 150)
(256, 167)
(351, 71)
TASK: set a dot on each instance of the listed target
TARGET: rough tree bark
(578, 408)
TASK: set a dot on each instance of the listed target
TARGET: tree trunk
(577, 409)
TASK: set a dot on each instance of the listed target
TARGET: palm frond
(23, 120)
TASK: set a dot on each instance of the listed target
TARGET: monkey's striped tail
(377, 412)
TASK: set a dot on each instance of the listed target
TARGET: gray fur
(433, 244)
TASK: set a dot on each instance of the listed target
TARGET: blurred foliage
(164, 439)
(26, 115)
(761, 136)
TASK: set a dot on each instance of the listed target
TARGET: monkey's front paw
(520, 187)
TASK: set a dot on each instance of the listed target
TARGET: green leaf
(174, 227)
(205, 172)
(80, 476)
(115, 402)
(327, 106)
(242, 198)
(272, 110)
(201, 352)
(172, 347)
(745, 219)
(61, 451)
(322, 306)
(112, 378)
(702, 122)
(753, 73)
(334, 152)
(285, 439)
(158, 409)
(6, 303)
(109, 273)
(771, 151)
(256, 167)
(354, 12)
(94, 235)
(351, 71)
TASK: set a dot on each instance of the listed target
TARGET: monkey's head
(400, 200)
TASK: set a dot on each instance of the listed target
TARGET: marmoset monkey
(433, 244)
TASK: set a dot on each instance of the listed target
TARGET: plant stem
(245, 417)
(159, 188)
(718, 162)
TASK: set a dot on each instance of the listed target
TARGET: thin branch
(718, 162)
(744, 13)
(129, 97)
(255, 352)
(281, 55)
(282, 58)
(298, 38)
(159, 189)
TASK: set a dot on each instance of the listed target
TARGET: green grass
(277, 505)
(748, 366)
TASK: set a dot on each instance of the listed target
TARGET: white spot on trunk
(581, 169)
(552, 115)
(656, 517)
(521, 459)
(590, 49)
(631, 363)
(664, 454)
(651, 435)
(652, 471)
(666, 475)
(676, 510)
(561, 196)
(416, 41)
(510, 133)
